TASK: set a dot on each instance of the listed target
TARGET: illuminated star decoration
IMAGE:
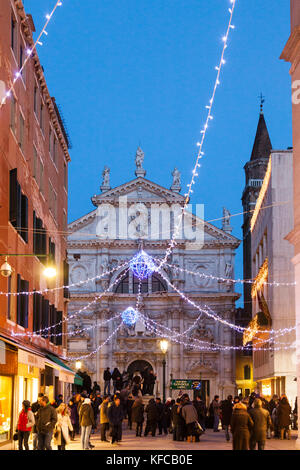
(142, 265)
(130, 316)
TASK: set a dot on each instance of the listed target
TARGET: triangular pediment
(139, 189)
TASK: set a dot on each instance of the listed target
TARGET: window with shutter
(66, 279)
(13, 196)
(22, 127)
(59, 328)
(13, 114)
(24, 218)
(9, 297)
(45, 319)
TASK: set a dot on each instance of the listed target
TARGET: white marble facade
(95, 247)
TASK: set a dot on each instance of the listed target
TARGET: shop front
(30, 366)
(58, 378)
(8, 372)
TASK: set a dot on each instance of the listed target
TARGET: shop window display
(5, 407)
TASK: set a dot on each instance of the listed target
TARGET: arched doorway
(139, 365)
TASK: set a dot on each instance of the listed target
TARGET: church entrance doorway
(138, 366)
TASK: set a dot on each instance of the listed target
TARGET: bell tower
(255, 170)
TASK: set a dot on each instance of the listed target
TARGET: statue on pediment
(139, 160)
(226, 220)
(106, 179)
(176, 186)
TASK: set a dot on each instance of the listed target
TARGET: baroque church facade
(142, 214)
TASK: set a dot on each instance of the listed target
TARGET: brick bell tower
(255, 170)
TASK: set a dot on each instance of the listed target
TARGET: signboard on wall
(185, 384)
(30, 359)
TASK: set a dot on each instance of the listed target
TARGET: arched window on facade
(130, 285)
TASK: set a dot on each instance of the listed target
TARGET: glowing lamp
(164, 346)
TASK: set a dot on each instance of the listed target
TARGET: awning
(78, 380)
(66, 374)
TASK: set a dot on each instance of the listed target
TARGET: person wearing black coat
(178, 422)
(137, 415)
(201, 411)
(241, 427)
(115, 416)
(129, 405)
(152, 417)
(226, 410)
(116, 375)
(284, 418)
(162, 417)
(107, 379)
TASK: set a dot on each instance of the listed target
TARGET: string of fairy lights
(203, 132)
(142, 265)
(29, 53)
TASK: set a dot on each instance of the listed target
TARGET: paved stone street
(209, 441)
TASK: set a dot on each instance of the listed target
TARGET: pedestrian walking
(63, 427)
(86, 421)
(104, 421)
(137, 415)
(115, 416)
(34, 408)
(107, 379)
(74, 417)
(216, 408)
(25, 423)
(262, 421)
(152, 418)
(241, 427)
(190, 416)
(284, 418)
(226, 413)
(201, 411)
(46, 419)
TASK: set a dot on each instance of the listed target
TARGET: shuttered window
(59, 328)
(45, 318)
(18, 206)
(22, 302)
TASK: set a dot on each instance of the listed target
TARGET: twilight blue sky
(130, 72)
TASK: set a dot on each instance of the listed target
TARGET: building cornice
(291, 52)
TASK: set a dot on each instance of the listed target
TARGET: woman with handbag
(25, 422)
(62, 427)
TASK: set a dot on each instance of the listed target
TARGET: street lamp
(78, 365)
(6, 270)
(164, 348)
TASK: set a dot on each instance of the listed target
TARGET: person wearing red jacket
(25, 423)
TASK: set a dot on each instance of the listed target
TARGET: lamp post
(6, 269)
(164, 348)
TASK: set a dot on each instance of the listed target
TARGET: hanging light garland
(29, 52)
(78, 312)
(203, 132)
(79, 283)
(226, 279)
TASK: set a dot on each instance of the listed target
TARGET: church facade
(141, 214)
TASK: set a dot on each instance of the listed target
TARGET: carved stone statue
(106, 179)
(226, 220)
(176, 186)
(139, 160)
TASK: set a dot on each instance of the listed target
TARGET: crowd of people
(250, 420)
